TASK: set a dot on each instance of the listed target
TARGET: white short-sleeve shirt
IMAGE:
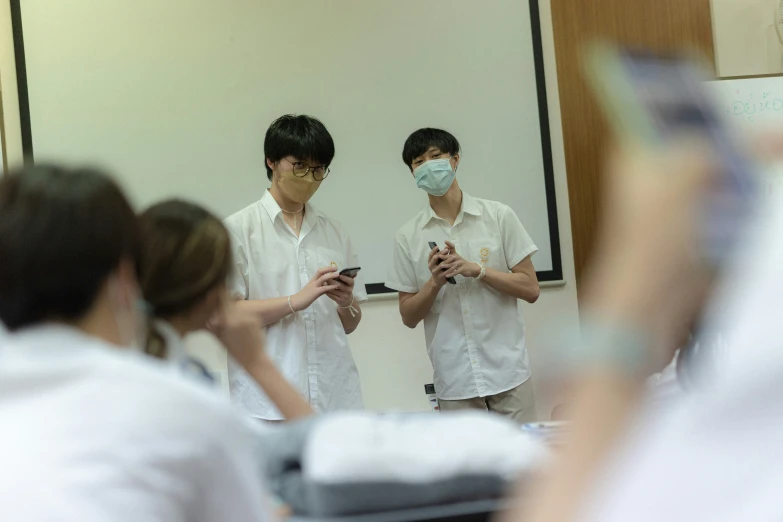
(475, 334)
(93, 432)
(310, 347)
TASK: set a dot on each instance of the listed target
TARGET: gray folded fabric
(282, 464)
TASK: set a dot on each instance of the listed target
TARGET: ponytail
(156, 344)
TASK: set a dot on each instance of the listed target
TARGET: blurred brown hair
(185, 253)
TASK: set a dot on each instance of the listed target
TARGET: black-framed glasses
(302, 169)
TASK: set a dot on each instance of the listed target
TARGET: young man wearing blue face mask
(474, 329)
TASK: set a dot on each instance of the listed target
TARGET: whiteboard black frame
(555, 274)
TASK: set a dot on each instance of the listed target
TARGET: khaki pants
(519, 404)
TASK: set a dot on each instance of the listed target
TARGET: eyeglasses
(301, 169)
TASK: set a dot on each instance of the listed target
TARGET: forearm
(269, 311)
(605, 394)
(416, 307)
(287, 400)
(602, 402)
(519, 285)
(350, 320)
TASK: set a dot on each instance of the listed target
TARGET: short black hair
(301, 136)
(62, 233)
(420, 142)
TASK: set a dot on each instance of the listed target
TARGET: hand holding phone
(450, 280)
(350, 272)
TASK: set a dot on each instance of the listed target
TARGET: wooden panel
(661, 25)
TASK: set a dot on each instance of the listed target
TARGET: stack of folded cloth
(352, 463)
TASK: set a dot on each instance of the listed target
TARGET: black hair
(301, 136)
(420, 142)
(62, 233)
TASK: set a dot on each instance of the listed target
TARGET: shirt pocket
(326, 257)
(487, 253)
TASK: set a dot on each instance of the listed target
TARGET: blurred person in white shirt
(474, 329)
(715, 453)
(93, 429)
(287, 257)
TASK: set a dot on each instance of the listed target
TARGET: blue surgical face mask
(435, 176)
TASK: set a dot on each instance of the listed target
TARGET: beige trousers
(519, 404)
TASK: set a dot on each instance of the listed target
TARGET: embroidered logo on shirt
(484, 254)
(332, 264)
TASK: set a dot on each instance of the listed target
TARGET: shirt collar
(273, 209)
(175, 345)
(469, 206)
(57, 335)
(270, 205)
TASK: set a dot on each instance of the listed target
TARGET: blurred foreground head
(68, 243)
(184, 263)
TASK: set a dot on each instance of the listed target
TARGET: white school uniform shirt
(475, 334)
(98, 433)
(310, 347)
(664, 387)
(178, 357)
(176, 353)
(716, 456)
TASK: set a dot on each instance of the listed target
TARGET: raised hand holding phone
(652, 101)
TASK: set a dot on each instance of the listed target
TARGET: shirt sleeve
(402, 275)
(352, 260)
(517, 243)
(238, 278)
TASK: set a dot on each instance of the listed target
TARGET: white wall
(392, 359)
(746, 42)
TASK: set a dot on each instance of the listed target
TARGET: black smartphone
(451, 280)
(350, 272)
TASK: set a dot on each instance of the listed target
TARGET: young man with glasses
(288, 256)
(466, 289)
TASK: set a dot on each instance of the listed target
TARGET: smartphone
(350, 272)
(651, 99)
(451, 280)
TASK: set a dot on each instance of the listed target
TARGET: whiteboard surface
(751, 104)
(174, 97)
(754, 106)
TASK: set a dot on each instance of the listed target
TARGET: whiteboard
(754, 106)
(174, 97)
